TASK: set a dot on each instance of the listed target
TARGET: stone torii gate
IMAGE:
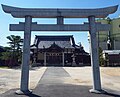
(60, 14)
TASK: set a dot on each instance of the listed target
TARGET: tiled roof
(61, 41)
(47, 44)
(33, 47)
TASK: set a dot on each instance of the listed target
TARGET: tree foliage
(101, 59)
(12, 54)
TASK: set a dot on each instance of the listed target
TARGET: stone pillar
(26, 57)
(94, 57)
(73, 60)
(34, 57)
(44, 58)
(63, 59)
(60, 20)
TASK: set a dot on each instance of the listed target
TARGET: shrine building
(58, 51)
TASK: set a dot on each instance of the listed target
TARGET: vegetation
(101, 59)
(13, 53)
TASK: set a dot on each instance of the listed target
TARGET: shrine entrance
(54, 59)
(60, 14)
(54, 56)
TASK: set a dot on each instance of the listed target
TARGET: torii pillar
(60, 14)
(26, 57)
(94, 57)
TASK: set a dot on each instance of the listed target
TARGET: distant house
(110, 40)
(58, 51)
(111, 57)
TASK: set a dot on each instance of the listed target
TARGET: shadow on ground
(60, 91)
(33, 95)
(111, 94)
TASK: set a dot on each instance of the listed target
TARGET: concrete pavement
(57, 82)
(10, 76)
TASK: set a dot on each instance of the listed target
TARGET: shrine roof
(46, 41)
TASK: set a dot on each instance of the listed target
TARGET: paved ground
(57, 82)
(10, 76)
(110, 76)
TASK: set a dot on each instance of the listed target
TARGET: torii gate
(60, 14)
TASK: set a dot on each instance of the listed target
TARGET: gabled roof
(54, 47)
(80, 49)
(61, 41)
(33, 46)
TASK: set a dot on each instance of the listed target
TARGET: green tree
(6, 56)
(101, 59)
(15, 43)
(14, 51)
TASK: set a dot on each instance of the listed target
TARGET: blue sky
(6, 19)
